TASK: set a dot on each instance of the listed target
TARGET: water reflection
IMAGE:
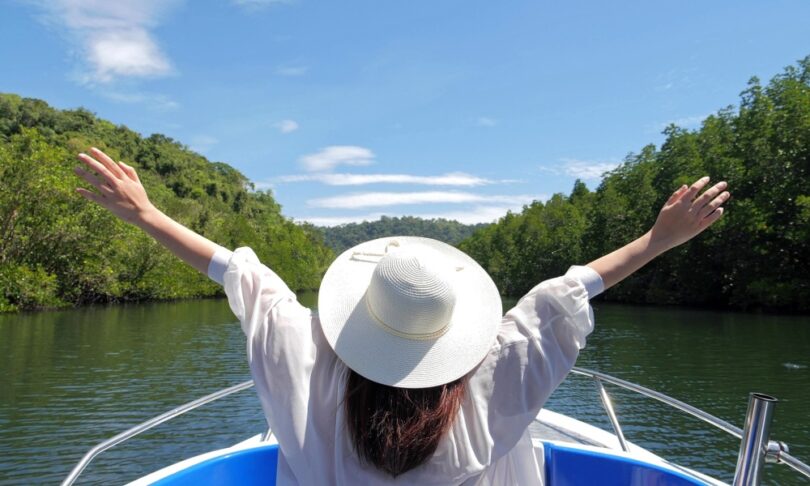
(71, 379)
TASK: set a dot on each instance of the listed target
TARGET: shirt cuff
(589, 277)
(218, 265)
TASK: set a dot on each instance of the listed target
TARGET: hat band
(415, 336)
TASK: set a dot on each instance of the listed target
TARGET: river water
(71, 379)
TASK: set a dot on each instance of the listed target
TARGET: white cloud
(114, 37)
(287, 126)
(292, 70)
(450, 179)
(583, 169)
(485, 121)
(474, 215)
(380, 199)
(127, 53)
(263, 185)
(330, 157)
(338, 220)
(477, 214)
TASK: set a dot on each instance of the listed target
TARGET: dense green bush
(57, 249)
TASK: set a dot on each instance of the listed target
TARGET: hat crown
(411, 292)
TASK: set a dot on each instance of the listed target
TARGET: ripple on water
(75, 378)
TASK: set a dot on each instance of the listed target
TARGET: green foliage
(26, 288)
(756, 256)
(57, 249)
(340, 238)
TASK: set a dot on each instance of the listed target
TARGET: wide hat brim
(370, 350)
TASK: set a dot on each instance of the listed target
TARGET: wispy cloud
(381, 199)
(259, 4)
(675, 78)
(478, 214)
(473, 215)
(203, 143)
(292, 70)
(287, 126)
(114, 38)
(485, 121)
(330, 157)
(684, 122)
(450, 179)
(582, 169)
(155, 101)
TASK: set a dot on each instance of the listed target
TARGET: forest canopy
(756, 256)
(343, 237)
(57, 249)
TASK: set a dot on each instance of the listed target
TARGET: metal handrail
(614, 421)
(148, 425)
(777, 451)
(797, 465)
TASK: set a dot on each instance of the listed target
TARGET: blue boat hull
(564, 466)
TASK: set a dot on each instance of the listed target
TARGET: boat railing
(153, 422)
(753, 449)
(775, 451)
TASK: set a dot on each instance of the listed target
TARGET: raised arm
(120, 191)
(684, 216)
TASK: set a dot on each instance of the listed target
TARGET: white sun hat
(409, 312)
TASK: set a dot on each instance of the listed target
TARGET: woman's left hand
(119, 189)
(686, 214)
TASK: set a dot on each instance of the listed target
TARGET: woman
(409, 374)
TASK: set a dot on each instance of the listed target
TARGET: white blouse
(300, 381)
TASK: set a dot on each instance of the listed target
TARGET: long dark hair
(397, 429)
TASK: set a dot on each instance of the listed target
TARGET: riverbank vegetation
(56, 249)
(756, 256)
(343, 237)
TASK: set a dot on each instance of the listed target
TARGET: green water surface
(71, 379)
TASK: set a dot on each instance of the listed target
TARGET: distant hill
(340, 238)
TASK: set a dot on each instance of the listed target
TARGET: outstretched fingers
(87, 194)
(710, 219)
(93, 180)
(713, 205)
(709, 195)
(128, 170)
(695, 189)
(108, 162)
(98, 167)
(677, 195)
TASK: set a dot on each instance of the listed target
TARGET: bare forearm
(191, 247)
(620, 264)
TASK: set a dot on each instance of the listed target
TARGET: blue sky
(349, 110)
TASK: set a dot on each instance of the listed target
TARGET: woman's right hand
(682, 218)
(119, 189)
(685, 214)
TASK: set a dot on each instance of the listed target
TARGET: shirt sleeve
(218, 264)
(253, 289)
(589, 278)
(537, 345)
